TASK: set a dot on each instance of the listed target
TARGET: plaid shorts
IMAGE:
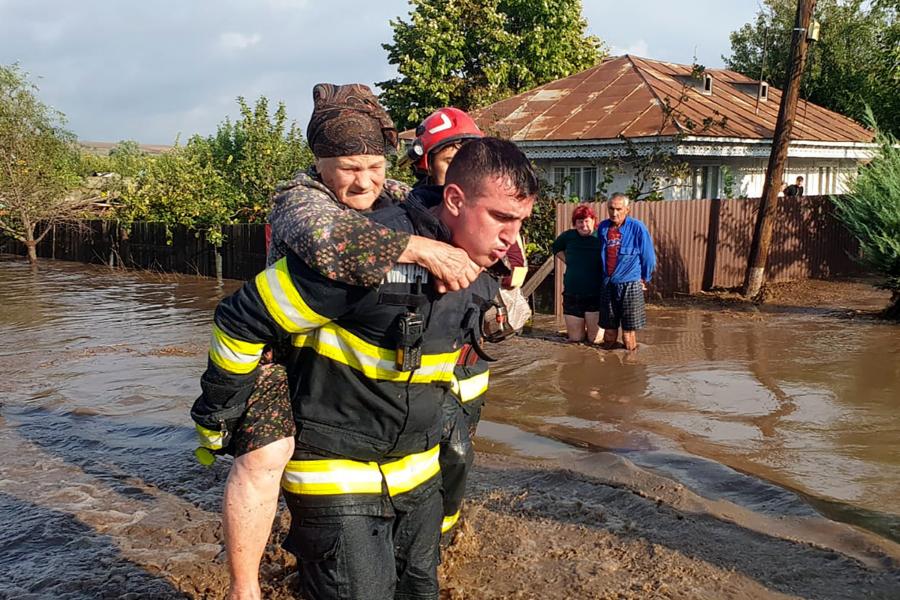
(622, 305)
(269, 417)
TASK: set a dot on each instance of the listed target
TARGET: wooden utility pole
(765, 220)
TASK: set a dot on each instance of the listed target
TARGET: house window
(763, 91)
(705, 183)
(576, 182)
(707, 84)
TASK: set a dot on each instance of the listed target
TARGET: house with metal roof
(632, 119)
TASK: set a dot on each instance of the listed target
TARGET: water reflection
(807, 402)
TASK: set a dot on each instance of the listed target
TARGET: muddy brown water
(784, 413)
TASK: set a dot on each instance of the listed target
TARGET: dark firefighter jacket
(349, 399)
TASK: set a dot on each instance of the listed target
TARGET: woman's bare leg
(251, 499)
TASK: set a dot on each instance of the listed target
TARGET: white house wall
(821, 175)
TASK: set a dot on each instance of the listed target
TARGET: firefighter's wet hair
(491, 157)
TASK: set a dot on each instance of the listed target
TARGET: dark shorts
(575, 305)
(269, 417)
(622, 305)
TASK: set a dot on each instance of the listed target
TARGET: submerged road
(782, 413)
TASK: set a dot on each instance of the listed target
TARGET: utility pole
(765, 220)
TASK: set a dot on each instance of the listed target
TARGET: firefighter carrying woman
(318, 231)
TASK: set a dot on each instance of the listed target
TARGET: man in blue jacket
(628, 262)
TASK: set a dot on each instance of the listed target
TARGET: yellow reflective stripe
(232, 354)
(209, 438)
(448, 522)
(283, 301)
(325, 477)
(410, 471)
(340, 476)
(338, 344)
(517, 276)
(471, 388)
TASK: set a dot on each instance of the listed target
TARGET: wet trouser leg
(417, 537)
(456, 457)
(362, 557)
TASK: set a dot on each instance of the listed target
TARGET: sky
(154, 70)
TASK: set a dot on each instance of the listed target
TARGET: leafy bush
(871, 211)
(255, 153)
(180, 188)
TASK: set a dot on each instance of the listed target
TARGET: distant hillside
(103, 148)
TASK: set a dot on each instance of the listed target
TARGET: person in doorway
(579, 248)
(362, 485)
(317, 217)
(628, 262)
(795, 190)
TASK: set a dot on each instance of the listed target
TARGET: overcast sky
(149, 70)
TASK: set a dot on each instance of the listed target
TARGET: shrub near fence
(705, 244)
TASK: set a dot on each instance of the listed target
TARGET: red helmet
(440, 128)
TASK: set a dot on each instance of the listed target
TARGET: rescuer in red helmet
(438, 138)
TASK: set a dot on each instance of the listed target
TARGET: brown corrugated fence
(704, 244)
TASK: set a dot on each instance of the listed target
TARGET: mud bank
(612, 530)
(600, 527)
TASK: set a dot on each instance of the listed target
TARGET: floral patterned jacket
(333, 239)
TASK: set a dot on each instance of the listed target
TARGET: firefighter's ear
(454, 198)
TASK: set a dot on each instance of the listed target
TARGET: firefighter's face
(440, 161)
(485, 222)
(357, 181)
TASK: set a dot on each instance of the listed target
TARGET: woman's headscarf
(347, 120)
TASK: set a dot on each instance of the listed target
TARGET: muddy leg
(574, 328)
(629, 338)
(609, 338)
(592, 324)
(251, 499)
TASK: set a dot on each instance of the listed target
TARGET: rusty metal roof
(626, 96)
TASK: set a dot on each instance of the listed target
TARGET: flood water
(785, 413)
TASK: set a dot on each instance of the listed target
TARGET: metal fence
(705, 244)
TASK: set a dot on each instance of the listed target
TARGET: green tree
(109, 177)
(214, 180)
(469, 53)
(855, 63)
(127, 159)
(38, 164)
(871, 211)
(255, 153)
(539, 230)
(180, 187)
